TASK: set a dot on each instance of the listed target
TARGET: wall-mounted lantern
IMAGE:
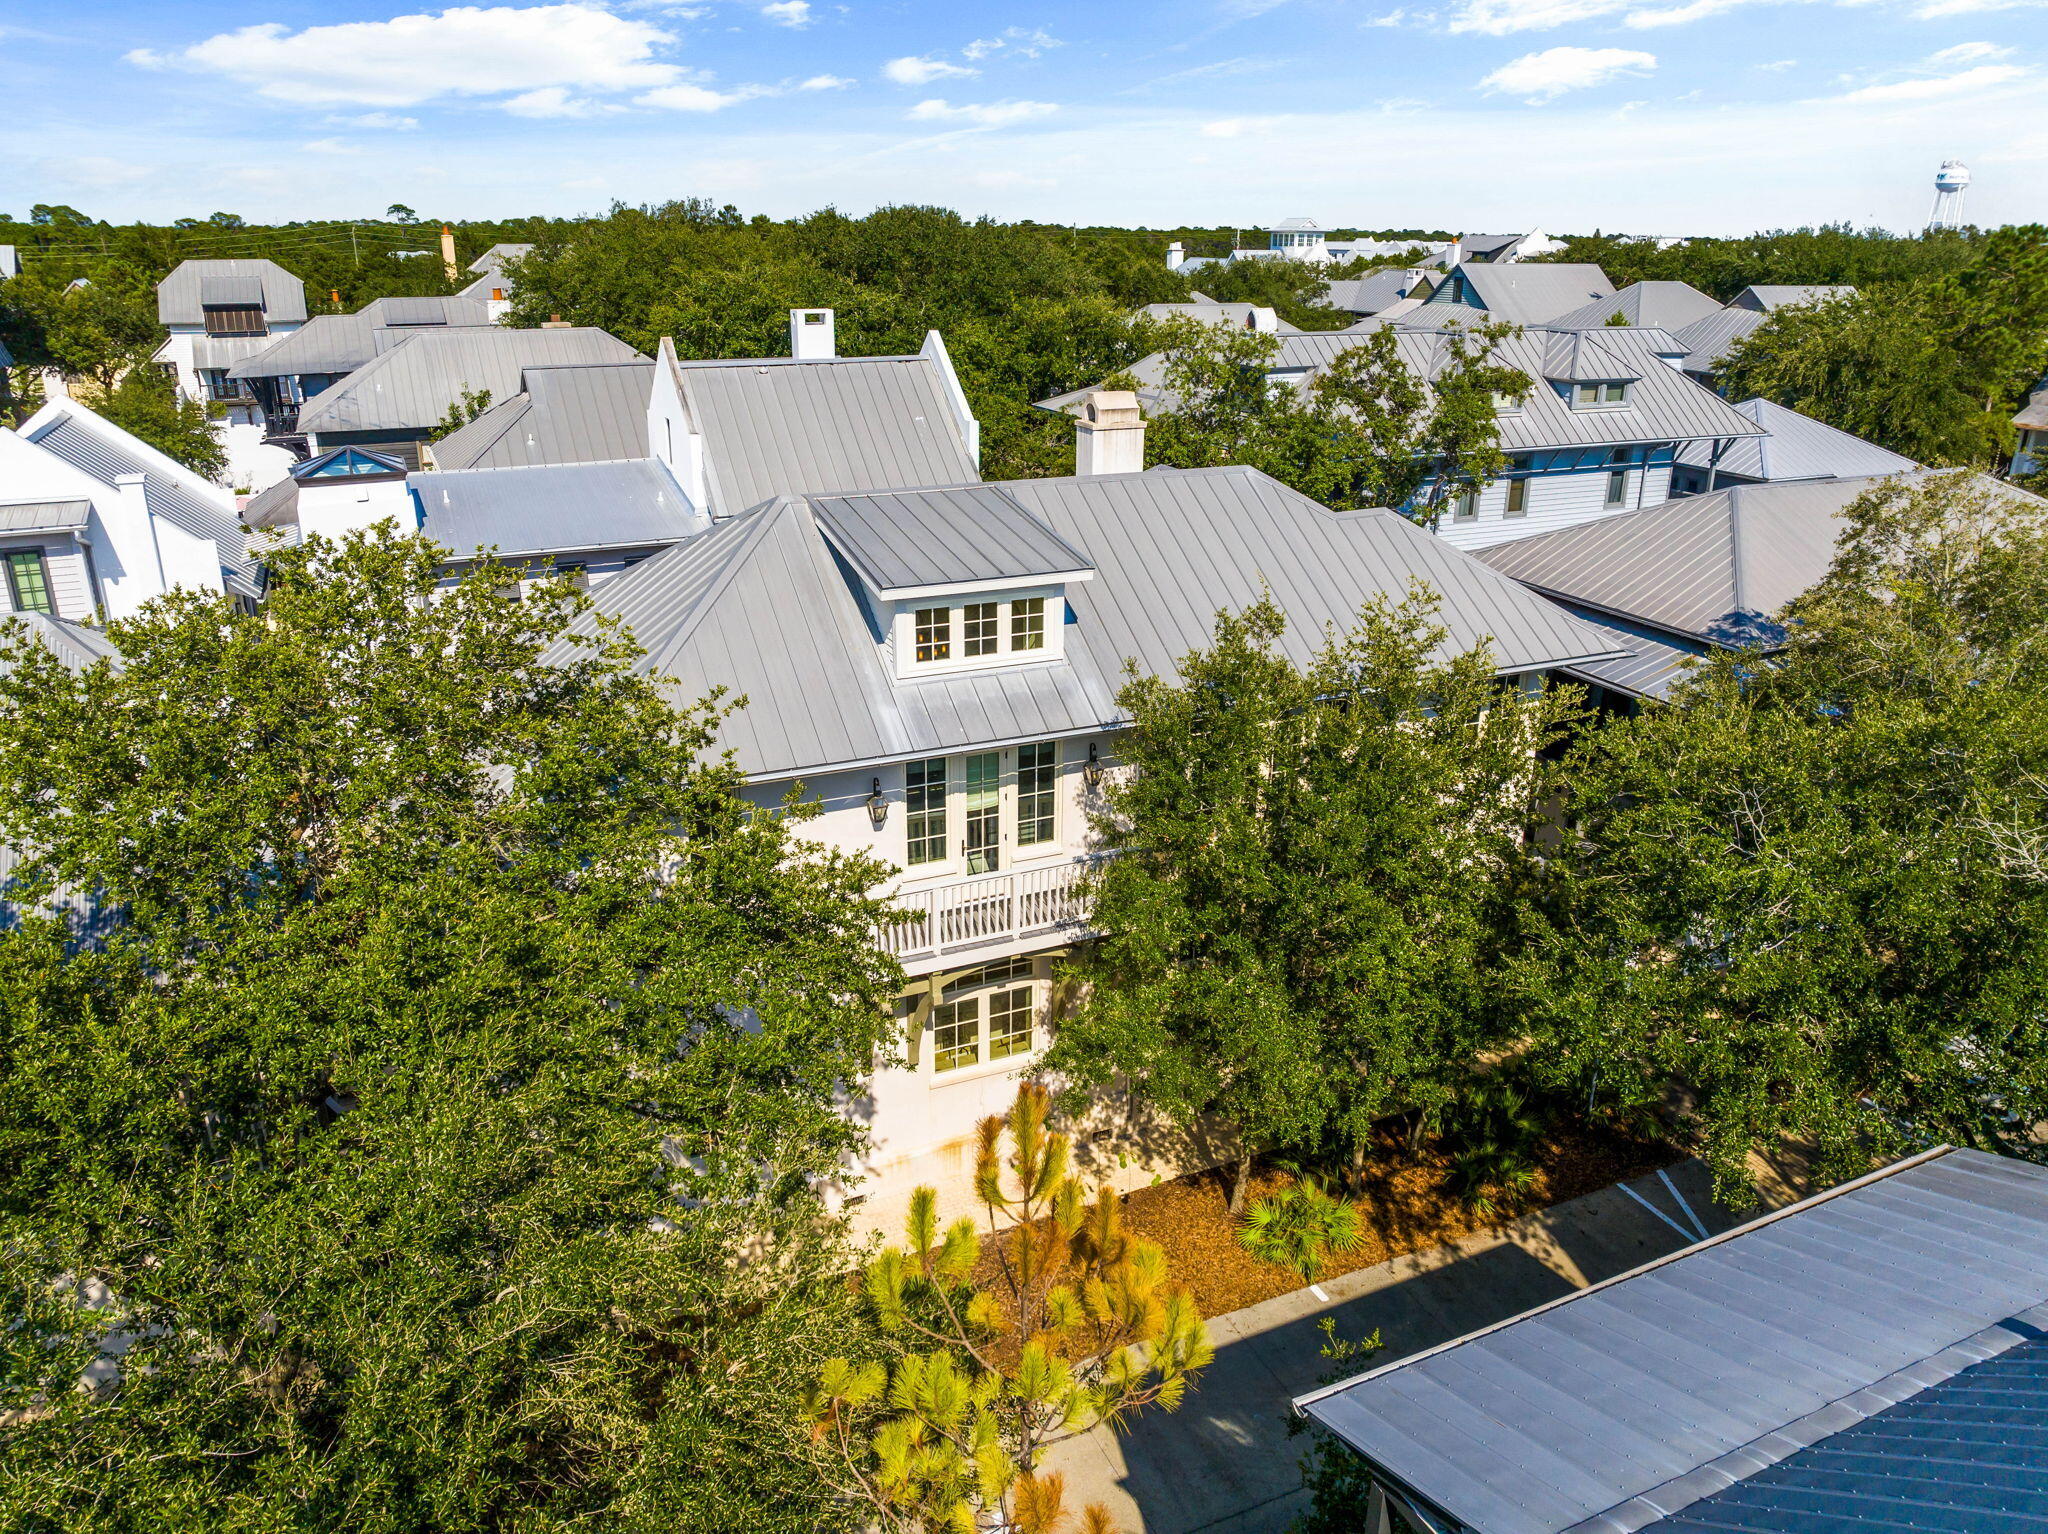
(1091, 774)
(878, 807)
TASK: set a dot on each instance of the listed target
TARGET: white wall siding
(1564, 490)
(70, 586)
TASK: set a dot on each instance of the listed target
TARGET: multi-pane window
(1037, 770)
(1617, 487)
(956, 1033)
(28, 582)
(1466, 507)
(1603, 394)
(925, 810)
(1518, 498)
(982, 812)
(934, 633)
(978, 628)
(1027, 623)
(1009, 1023)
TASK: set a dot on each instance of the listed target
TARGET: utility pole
(354, 249)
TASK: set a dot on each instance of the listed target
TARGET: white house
(1303, 239)
(219, 313)
(93, 522)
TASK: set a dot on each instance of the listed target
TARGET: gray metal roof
(1665, 305)
(760, 605)
(783, 427)
(1656, 661)
(75, 644)
(1766, 296)
(1235, 315)
(1527, 293)
(1715, 568)
(44, 516)
(413, 383)
(499, 254)
(1797, 447)
(903, 542)
(1710, 338)
(561, 415)
(1620, 1405)
(226, 351)
(554, 508)
(104, 455)
(2034, 414)
(1374, 291)
(341, 343)
(182, 297)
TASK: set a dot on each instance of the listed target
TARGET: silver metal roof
(75, 644)
(1375, 291)
(1665, 305)
(784, 427)
(2034, 414)
(1525, 292)
(555, 508)
(1631, 1401)
(760, 605)
(1710, 338)
(225, 351)
(44, 516)
(413, 383)
(1773, 295)
(499, 254)
(1715, 568)
(104, 455)
(561, 415)
(341, 343)
(182, 297)
(1797, 447)
(1656, 661)
(901, 542)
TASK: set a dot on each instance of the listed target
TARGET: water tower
(1950, 183)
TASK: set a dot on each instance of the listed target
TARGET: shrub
(1301, 1225)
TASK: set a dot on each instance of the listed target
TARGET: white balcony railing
(973, 913)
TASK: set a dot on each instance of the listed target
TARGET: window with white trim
(1587, 394)
(979, 628)
(985, 631)
(924, 816)
(986, 1015)
(28, 582)
(976, 813)
(1027, 623)
(934, 633)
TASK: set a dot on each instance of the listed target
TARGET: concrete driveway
(1225, 1464)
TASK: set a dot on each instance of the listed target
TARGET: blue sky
(1649, 116)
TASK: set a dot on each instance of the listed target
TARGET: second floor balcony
(991, 912)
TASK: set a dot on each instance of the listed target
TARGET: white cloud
(1936, 87)
(464, 51)
(1544, 76)
(788, 13)
(101, 172)
(1968, 53)
(1018, 40)
(1497, 18)
(825, 83)
(553, 101)
(1225, 127)
(328, 146)
(699, 98)
(922, 71)
(1778, 66)
(1392, 18)
(1679, 15)
(993, 114)
(1933, 10)
(372, 120)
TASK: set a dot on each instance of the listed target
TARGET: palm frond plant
(1300, 1226)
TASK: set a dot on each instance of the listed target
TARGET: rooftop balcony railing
(994, 908)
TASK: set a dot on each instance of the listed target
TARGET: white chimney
(811, 334)
(10, 264)
(1175, 254)
(496, 305)
(1109, 434)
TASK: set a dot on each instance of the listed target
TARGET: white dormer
(954, 580)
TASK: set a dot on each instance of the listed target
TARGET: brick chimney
(555, 322)
(1109, 434)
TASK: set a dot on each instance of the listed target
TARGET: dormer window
(1590, 395)
(983, 627)
(934, 634)
(234, 320)
(978, 628)
(1027, 623)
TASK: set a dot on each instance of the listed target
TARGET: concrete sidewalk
(1224, 1463)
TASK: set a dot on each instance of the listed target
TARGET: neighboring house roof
(1665, 305)
(1712, 337)
(568, 414)
(1210, 312)
(74, 644)
(760, 604)
(2034, 414)
(1375, 292)
(499, 254)
(1664, 405)
(1871, 1357)
(1797, 447)
(1656, 661)
(413, 383)
(105, 452)
(490, 269)
(1525, 293)
(1774, 295)
(554, 508)
(341, 343)
(779, 426)
(1287, 225)
(44, 516)
(183, 297)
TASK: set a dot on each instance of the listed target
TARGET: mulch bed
(1405, 1205)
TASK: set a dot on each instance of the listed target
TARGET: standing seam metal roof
(1797, 447)
(415, 381)
(1619, 1406)
(900, 541)
(759, 604)
(1664, 305)
(785, 427)
(341, 343)
(44, 516)
(1528, 293)
(182, 297)
(554, 508)
(569, 414)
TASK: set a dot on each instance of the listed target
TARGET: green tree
(1369, 431)
(1078, 1324)
(438, 1124)
(1322, 845)
(147, 404)
(1812, 890)
(473, 403)
(93, 324)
